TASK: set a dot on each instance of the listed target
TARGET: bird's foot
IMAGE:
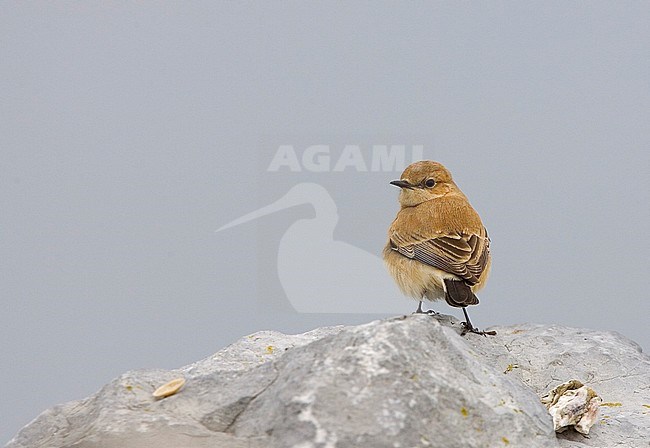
(468, 328)
(427, 312)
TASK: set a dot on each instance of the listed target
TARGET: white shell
(573, 404)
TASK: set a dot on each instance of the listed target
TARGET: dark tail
(459, 294)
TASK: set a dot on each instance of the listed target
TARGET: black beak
(401, 184)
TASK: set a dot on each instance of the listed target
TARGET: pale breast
(415, 279)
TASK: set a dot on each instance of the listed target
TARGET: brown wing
(465, 256)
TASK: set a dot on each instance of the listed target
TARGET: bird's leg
(419, 310)
(469, 328)
(467, 323)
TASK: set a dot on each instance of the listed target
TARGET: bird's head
(422, 181)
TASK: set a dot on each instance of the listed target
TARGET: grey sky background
(130, 132)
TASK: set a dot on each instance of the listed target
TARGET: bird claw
(468, 328)
(427, 312)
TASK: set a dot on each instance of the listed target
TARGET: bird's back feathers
(445, 233)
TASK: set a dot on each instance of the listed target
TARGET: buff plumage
(438, 247)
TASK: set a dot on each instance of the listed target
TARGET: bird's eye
(430, 183)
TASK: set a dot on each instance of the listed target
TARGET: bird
(318, 273)
(438, 247)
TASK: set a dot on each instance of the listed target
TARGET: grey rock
(411, 381)
(614, 366)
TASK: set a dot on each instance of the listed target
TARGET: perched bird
(437, 245)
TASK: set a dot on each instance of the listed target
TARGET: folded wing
(463, 255)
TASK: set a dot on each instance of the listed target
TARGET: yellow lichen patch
(129, 387)
(269, 349)
(169, 388)
(517, 331)
(612, 405)
(464, 412)
(510, 367)
(505, 441)
(646, 406)
(415, 377)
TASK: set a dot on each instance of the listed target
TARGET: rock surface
(403, 382)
